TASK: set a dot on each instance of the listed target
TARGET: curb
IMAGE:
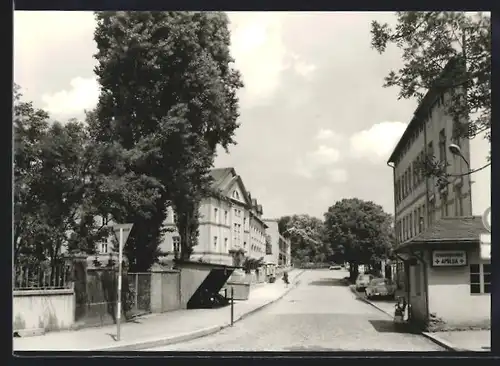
(441, 342)
(437, 340)
(195, 334)
(292, 286)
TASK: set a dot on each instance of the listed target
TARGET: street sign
(485, 246)
(122, 232)
(449, 258)
(487, 219)
(125, 228)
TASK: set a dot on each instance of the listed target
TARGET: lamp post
(455, 150)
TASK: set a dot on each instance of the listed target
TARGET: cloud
(325, 134)
(259, 53)
(319, 159)
(82, 94)
(377, 142)
(338, 175)
(302, 67)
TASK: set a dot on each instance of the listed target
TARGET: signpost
(449, 258)
(122, 232)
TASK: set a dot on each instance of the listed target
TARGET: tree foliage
(54, 200)
(306, 236)
(360, 230)
(429, 41)
(168, 99)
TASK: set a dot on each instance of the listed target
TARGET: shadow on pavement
(388, 326)
(329, 282)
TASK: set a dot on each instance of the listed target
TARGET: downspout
(395, 196)
(424, 263)
(426, 179)
(426, 275)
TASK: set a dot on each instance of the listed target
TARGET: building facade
(279, 245)
(438, 239)
(227, 224)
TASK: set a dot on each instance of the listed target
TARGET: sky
(316, 124)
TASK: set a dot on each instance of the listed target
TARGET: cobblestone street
(321, 314)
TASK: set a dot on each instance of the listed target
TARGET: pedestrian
(285, 278)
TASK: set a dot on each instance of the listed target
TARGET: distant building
(442, 271)
(279, 245)
(226, 225)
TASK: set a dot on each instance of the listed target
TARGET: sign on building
(487, 219)
(449, 258)
(485, 245)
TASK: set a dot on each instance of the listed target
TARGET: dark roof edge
(427, 100)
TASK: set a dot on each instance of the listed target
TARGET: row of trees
(353, 230)
(167, 100)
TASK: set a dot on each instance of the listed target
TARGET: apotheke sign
(449, 258)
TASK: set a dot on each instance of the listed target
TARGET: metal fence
(139, 292)
(41, 276)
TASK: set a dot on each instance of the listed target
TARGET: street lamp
(455, 150)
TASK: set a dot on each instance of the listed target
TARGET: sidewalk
(158, 329)
(466, 340)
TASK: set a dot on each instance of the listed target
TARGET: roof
(450, 230)
(219, 175)
(422, 108)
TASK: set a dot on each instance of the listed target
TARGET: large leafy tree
(429, 41)
(168, 99)
(360, 230)
(306, 236)
(54, 198)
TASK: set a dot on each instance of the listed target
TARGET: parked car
(363, 281)
(335, 267)
(380, 287)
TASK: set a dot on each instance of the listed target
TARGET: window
(236, 195)
(410, 224)
(430, 149)
(225, 217)
(104, 247)
(415, 221)
(459, 208)
(215, 242)
(410, 174)
(423, 215)
(216, 216)
(244, 223)
(174, 217)
(244, 244)
(176, 243)
(432, 212)
(404, 228)
(442, 145)
(444, 204)
(480, 278)
(225, 242)
(415, 173)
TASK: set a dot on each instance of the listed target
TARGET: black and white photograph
(252, 181)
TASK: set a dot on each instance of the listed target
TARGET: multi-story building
(279, 245)
(438, 239)
(227, 224)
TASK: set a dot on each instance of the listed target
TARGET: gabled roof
(450, 230)
(220, 175)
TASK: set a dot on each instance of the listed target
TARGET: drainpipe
(395, 196)
(421, 259)
(426, 179)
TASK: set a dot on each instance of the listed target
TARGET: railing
(40, 276)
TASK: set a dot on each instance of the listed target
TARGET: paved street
(321, 314)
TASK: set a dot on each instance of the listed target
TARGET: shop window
(480, 278)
